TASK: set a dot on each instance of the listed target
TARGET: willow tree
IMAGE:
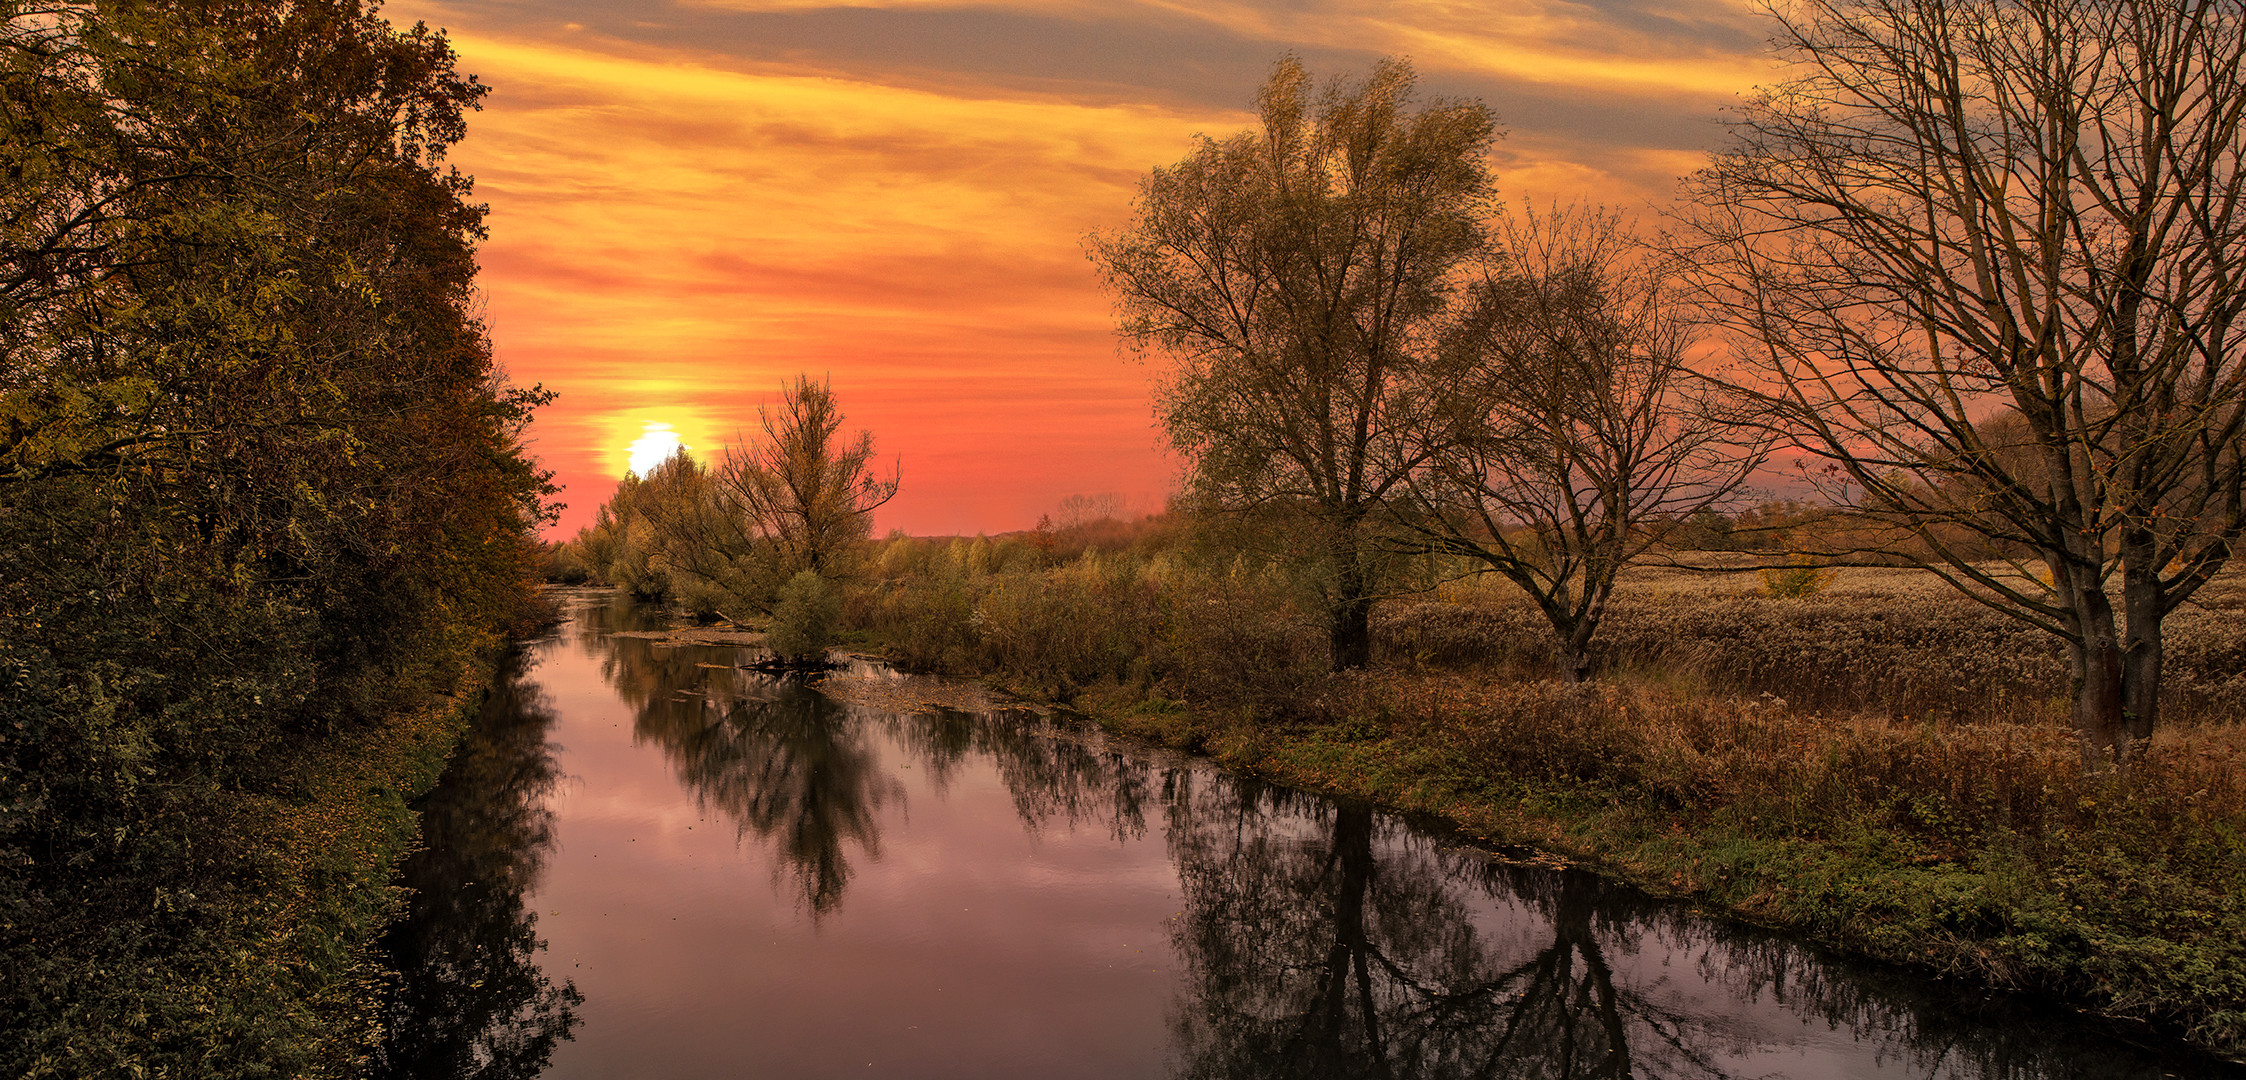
(1957, 212)
(1293, 278)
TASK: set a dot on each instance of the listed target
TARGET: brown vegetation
(1884, 765)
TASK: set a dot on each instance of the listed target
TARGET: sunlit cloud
(694, 202)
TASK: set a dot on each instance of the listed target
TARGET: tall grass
(1910, 650)
(1152, 623)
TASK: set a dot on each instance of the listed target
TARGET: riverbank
(2120, 896)
(255, 955)
(1943, 823)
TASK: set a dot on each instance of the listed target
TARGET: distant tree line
(262, 490)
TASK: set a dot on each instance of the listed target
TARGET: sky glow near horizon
(695, 200)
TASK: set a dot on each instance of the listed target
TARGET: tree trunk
(1575, 644)
(2096, 657)
(2097, 700)
(1351, 633)
(2141, 653)
(1349, 612)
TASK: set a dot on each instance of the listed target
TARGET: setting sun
(656, 443)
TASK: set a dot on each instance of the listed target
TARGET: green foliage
(804, 618)
(262, 496)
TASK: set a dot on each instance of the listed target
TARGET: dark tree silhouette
(470, 1001)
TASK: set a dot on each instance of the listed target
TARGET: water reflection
(795, 769)
(1317, 946)
(1310, 939)
(471, 1002)
(1055, 770)
(786, 765)
(1324, 940)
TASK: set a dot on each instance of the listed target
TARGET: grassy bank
(1882, 767)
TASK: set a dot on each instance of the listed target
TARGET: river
(647, 861)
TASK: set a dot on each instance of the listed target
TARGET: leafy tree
(1588, 434)
(729, 537)
(1956, 211)
(809, 497)
(804, 618)
(261, 485)
(1295, 277)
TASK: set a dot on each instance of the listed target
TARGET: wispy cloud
(695, 200)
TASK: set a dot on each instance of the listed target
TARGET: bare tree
(1295, 277)
(811, 499)
(1956, 210)
(1587, 431)
(1080, 509)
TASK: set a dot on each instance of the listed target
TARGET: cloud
(693, 201)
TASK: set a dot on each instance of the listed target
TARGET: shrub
(805, 618)
(1798, 578)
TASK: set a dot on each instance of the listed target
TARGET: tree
(1955, 211)
(260, 482)
(1587, 434)
(809, 498)
(1295, 277)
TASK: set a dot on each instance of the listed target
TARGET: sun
(655, 443)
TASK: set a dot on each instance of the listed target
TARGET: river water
(647, 861)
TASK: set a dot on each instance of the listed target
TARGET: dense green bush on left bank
(264, 508)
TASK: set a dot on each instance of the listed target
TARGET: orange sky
(693, 200)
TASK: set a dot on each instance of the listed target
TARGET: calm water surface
(648, 862)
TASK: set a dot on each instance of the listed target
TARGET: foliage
(1801, 576)
(1984, 255)
(262, 495)
(726, 539)
(804, 618)
(1294, 276)
(809, 498)
(1153, 619)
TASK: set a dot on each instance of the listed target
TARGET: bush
(1798, 578)
(805, 618)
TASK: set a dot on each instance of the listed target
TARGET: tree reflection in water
(1319, 939)
(1315, 948)
(471, 1002)
(1052, 768)
(796, 769)
(1324, 940)
(781, 761)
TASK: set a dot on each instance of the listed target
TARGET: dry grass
(1888, 643)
